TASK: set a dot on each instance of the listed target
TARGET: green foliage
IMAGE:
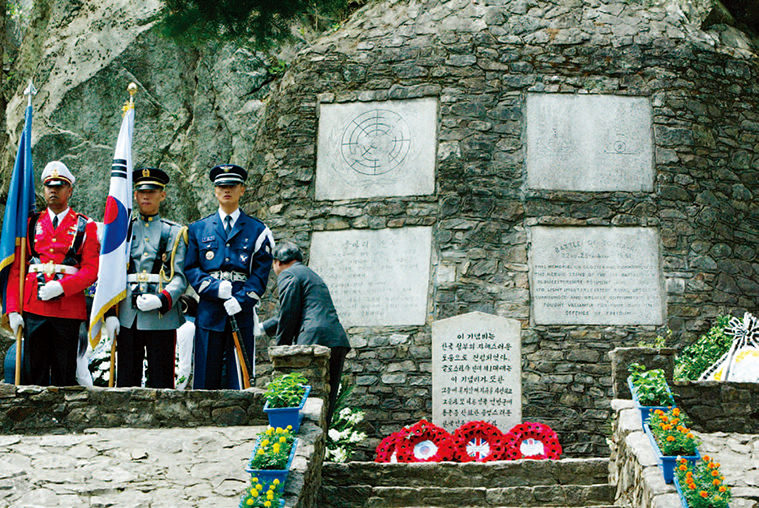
(255, 497)
(701, 486)
(260, 24)
(702, 354)
(659, 342)
(343, 436)
(650, 386)
(286, 390)
(273, 449)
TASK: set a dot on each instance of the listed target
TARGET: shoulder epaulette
(171, 222)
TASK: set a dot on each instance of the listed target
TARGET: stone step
(357, 496)
(472, 474)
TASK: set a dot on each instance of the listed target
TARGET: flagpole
(30, 91)
(132, 89)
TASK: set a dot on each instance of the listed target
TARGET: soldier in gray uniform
(150, 314)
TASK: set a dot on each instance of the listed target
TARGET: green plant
(255, 497)
(659, 342)
(273, 450)
(703, 485)
(286, 390)
(343, 435)
(650, 386)
(700, 355)
(672, 435)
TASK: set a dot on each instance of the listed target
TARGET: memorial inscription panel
(370, 149)
(476, 371)
(376, 278)
(596, 275)
(589, 143)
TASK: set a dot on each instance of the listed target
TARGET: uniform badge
(146, 172)
(243, 257)
(209, 255)
(38, 229)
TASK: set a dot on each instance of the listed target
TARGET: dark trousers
(134, 345)
(50, 346)
(336, 361)
(214, 351)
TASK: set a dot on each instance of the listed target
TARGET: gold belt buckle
(49, 268)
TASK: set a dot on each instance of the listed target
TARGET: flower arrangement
(343, 437)
(650, 386)
(478, 441)
(273, 450)
(286, 390)
(702, 485)
(474, 441)
(531, 440)
(672, 435)
(255, 497)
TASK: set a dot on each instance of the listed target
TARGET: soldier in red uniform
(62, 261)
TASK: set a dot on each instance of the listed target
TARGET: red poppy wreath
(478, 441)
(531, 440)
(425, 442)
(388, 448)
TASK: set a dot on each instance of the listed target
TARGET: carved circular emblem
(376, 142)
(209, 255)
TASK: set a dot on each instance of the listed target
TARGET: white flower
(334, 435)
(356, 437)
(345, 412)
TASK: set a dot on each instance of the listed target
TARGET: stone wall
(480, 60)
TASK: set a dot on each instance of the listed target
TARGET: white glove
(51, 290)
(112, 326)
(225, 290)
(232, 306)
(146, 303)
(16, 322)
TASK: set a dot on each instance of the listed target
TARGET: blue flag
(20, 205)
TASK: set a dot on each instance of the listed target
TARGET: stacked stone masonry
(480, 60)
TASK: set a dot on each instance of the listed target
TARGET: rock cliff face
(194, 109)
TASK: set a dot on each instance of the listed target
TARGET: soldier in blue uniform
(150, 315)
(228, 263)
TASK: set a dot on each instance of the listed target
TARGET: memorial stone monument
(476, 371)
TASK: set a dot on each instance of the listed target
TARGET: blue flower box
(284, 416)
(646, 411)
(267, 476)
(667, 463)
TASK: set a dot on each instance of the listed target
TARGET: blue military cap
(228, 174)
(149, 179)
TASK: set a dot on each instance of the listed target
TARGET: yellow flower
(259, 487)
(260, 451)
(249, 502)
(280, 430)
(269, 431)
(282, 439)
(254, 480)
(276, 481)
(289, 427)
(254, 492)
(275, 448)
(264, 443)
(267, 504)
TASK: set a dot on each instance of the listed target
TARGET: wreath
(425, 442)
(478, 441)
(531, 440)
(387, 450)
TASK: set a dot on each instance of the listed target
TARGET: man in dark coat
(306, 313)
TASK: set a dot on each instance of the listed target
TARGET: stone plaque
(476, 371)
(376, 278)
(589, 143)
(369, 149)
(596, 276)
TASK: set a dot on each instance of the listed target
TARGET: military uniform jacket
(146, 237)
(247, 252)
(52, 245)
(306, 312)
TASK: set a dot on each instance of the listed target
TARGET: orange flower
(715, 473)
(703, 493)
(683, 467)
(658, 412)
(689, 435)
(682, 461)
(716, 482)
(675, 421)
(689, 474)
(716, 464)
(707, 459)
(692, 486)
(670, 438)
(711, 465)
(722, 489)
(676, 411)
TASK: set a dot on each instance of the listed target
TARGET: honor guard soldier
(228, 263)
(150, 315)
(62, 252)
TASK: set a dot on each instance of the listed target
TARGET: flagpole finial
(30, 91)
(132, 89)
